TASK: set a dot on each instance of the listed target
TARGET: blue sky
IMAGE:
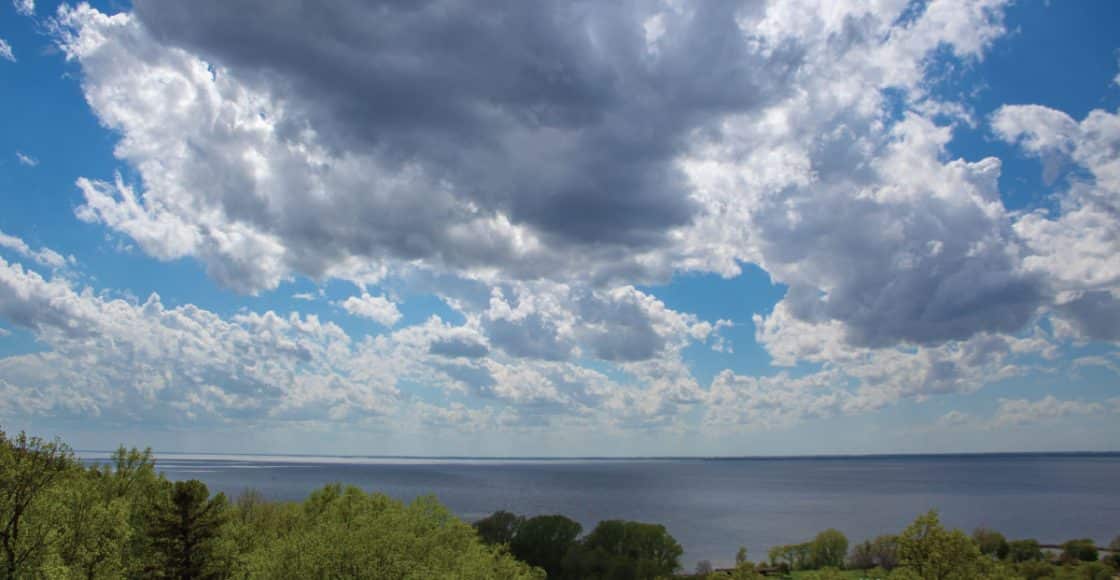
(651, 229)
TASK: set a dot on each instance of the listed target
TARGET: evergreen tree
(184, 529)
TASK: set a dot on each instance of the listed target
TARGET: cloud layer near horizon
(536, 165)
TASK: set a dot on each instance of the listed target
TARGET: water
(713, 506)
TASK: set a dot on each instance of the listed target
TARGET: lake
(713, 506)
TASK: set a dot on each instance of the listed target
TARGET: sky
(636, 228)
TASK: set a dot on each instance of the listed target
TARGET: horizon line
(621, 457)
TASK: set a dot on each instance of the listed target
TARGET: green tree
(828, 549)
(499, 527)
(1024, 550)
(931, 552)
(1034, 569)
(791, 556)
(1079, 550)
(991, 543)
(94, 531)
(345, 533)
(544, 541)
(30, 469)
(184, 529)
(619, 549)
(1114, 547)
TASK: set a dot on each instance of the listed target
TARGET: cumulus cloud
(27, 160)
(6, 51)
(541, 163)
(376, 308)
(1077, 251)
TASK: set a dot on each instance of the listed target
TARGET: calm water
(714, 506)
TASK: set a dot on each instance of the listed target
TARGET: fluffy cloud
(42, 256)
(1077, 251)
(26, 160)
(376, 308)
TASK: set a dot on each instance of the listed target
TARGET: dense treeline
(614, 549)
(123, 519)
(925, 550)
(59, 519)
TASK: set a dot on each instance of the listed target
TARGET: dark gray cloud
(556, 114)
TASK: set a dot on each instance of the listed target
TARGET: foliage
(184, 527)
(621, 549)
(882, 552)
(991, 543)
(499, 527)
(1024, 550)
(934, 553)
(29, 502)
(828, 549)
(791, 556)
(345, 533)
(544, 541)
(1080, 550)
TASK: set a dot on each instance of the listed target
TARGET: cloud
(145, 362)
(1012, 412)
(955, 418)
(24, 7)
(26, 159)
(376, 308)
(6, 51)
(1077, 251)
(43, 256)
(538, 166)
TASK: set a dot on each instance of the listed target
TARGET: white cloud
(1078, 250)
(27, 160)
(1024, 411)
(376, 308)
(6, 51)
(955, 418)
(24, 7)
(42, 256)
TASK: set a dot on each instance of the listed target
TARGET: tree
(862, 556)
(1114, 547)
(30, 469)
(703, 568)
(622, 549)
(184, 529)
(934, 553)
(991, 543)
(791, 556)
(343, 532)
(499, 527)
(828, 549)
(544, 541)
(1080, 550)
(1024, 550)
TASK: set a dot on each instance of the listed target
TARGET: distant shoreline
(331, 458)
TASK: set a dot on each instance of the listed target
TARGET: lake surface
(712, 506)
